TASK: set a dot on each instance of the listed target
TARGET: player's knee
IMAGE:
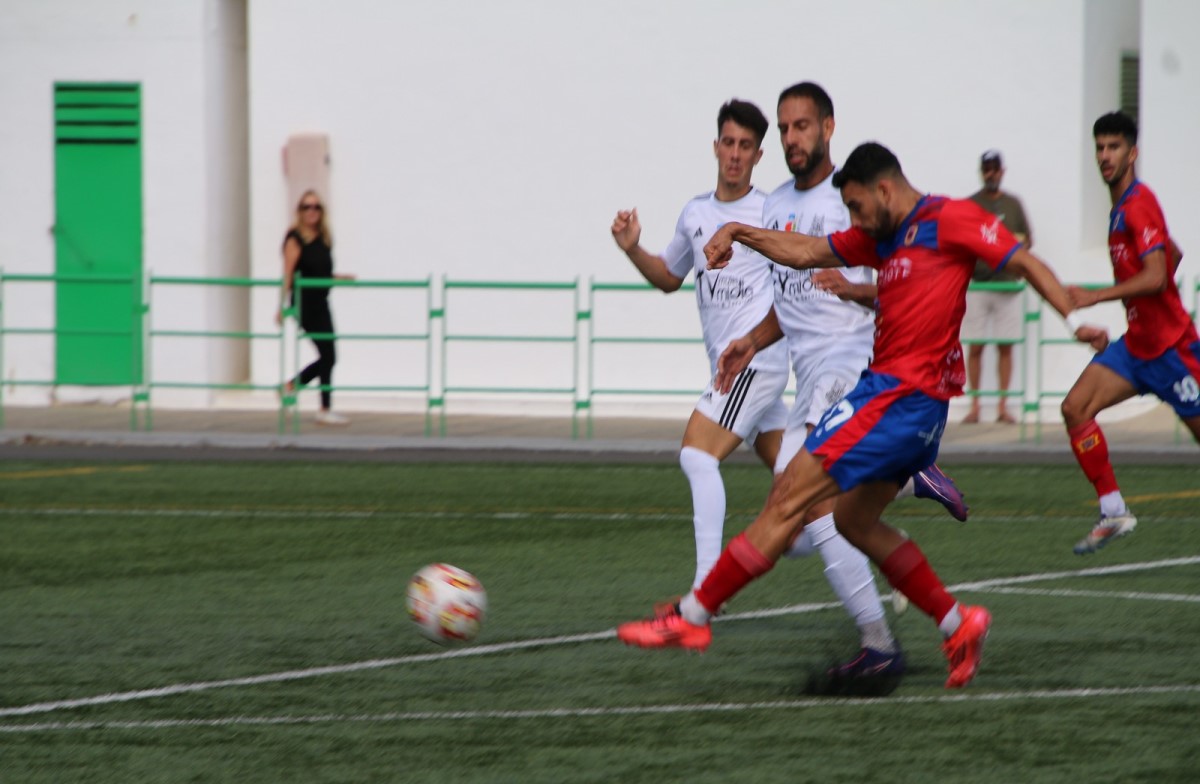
(696, 463)
(1073, 411)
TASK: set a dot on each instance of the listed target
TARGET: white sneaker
(330, 418)
(1105, 530)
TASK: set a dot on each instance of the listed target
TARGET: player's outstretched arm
(627, 233)
(737, 355)
(783, 247)
(1046, 284)
(1152, 279)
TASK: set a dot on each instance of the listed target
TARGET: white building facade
(494, 142)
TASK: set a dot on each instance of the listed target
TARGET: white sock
(708, 507)
(951, 622)
(802, 546)
(693, 611)
(849, 574)
(908, 490)
(1113, 504)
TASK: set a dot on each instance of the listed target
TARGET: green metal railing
(99, 280)
(142, 397)
(289, 410)
(439, 378)
(594, 340)
(505, 288)
(1040, 394)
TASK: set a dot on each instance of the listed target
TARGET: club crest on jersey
(793, 224)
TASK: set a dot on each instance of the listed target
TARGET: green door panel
(98, 234)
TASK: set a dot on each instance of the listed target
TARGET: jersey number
(1187, 390)
(837, 415)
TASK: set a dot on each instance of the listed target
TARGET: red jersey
(924, 270)
(1136, 227)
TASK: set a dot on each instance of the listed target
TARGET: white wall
(496, 141)
(1169, 156)
(227, 183)
(190, 158)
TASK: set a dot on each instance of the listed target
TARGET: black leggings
(317, 318)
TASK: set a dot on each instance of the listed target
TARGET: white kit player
(750, 408)
(830, 334)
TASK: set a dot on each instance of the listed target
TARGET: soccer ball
(446, 603)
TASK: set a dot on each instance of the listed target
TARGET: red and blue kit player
(890, 425)
(1159, 352)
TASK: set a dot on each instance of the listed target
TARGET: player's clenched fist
(627, 229)
(719, 250)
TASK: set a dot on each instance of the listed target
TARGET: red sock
(1091, 450)
(910, 574)
(740, 563)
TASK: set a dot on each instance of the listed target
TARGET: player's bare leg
(974, 375)
(766, 446)
(749, 555)
(1193, 426)
(1004, 373)
(1097, 389)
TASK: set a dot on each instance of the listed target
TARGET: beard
(883, 231)
(816, 156)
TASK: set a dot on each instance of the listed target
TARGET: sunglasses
(311, 207)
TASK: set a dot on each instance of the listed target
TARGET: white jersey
(733, 300)
(813, 319)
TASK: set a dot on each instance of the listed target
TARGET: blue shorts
(1174, 375)
(884, 429)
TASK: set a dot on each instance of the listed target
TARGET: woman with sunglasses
(307, 250)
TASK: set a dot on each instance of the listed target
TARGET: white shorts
(754, 404)
(820, 382)
(993, 315)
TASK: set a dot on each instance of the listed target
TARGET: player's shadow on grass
(820, 678)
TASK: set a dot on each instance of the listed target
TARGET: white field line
(618, 710)
(1095, 571)
(1072, 593)
(485, 650)
(293, 675)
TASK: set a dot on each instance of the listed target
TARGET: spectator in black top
(307, 250)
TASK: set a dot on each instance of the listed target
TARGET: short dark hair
(746, 115)
(866, 164)
(1116, 124)
(812, 91)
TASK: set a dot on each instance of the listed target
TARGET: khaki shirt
(1012, 215)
